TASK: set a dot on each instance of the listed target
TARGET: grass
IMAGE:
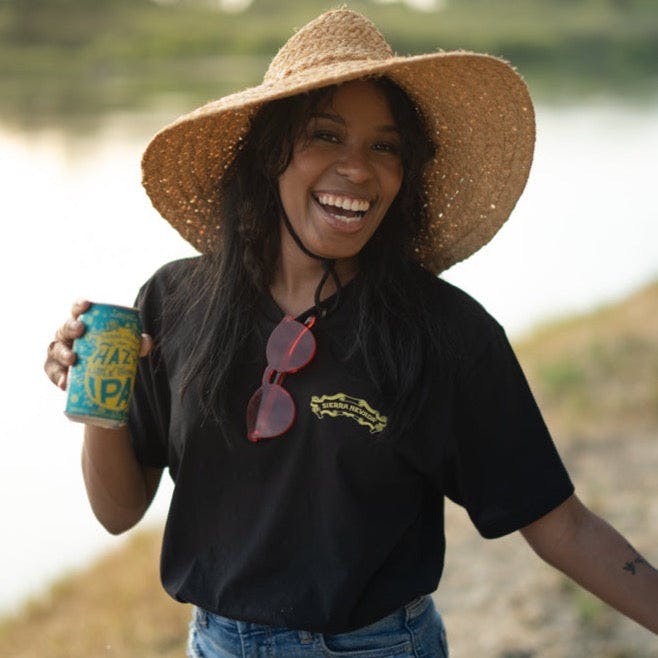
(598, 373)
(591, 612)
(115, 608)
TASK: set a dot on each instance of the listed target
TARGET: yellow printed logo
(341, 404)
(110, 372)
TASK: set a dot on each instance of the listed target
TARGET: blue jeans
(414, 631)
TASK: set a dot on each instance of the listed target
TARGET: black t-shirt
(325, 528)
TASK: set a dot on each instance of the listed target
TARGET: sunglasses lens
(291, 346)
(270, 412)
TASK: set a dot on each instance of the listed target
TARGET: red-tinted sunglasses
(271, 410)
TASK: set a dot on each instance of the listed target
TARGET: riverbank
(595, 378)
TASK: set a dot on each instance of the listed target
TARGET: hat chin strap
(328, 267)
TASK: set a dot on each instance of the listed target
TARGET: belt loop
(306, 637)
(201, 617)
(415, 607)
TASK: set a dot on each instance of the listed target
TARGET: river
(77, 223)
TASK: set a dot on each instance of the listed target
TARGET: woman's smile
(345, 172)
(342, 212)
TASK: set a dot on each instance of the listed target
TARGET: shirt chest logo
(341, 404)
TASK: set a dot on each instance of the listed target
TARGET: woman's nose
(355, 165)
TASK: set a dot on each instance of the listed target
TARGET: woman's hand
(60, 351)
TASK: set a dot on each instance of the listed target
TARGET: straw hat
(477, 108)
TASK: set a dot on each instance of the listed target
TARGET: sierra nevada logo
(341, 404)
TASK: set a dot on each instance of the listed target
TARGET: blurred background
(572, 276)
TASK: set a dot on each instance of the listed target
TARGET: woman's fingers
(69, 331)
(60, 354)
(54, 366)
(79, 306)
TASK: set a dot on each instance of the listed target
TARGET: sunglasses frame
(271, 401)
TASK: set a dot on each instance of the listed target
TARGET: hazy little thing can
(101, 381)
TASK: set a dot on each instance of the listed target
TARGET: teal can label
(101, 381)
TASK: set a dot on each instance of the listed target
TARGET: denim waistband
(398, 618)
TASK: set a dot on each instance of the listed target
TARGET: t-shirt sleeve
(150, 403)
(501, 463)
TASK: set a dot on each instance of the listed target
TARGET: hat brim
(479, 114)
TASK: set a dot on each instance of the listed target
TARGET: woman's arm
(590, 551)
(119, 488)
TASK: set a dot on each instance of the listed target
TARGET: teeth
(346, 203)
(346, 220)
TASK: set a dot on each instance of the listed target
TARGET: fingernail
(61, 380)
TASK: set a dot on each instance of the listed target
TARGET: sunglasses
(271, 410)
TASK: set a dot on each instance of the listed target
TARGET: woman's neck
(297, 277)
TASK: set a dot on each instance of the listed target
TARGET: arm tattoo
(632, 565)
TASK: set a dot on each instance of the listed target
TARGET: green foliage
(561, 377)
(599, 371)
(592, 613)
(93, 56)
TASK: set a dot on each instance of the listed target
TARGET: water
(585, 231)
(76, 223)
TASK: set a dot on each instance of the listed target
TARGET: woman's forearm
(591, 552)
(118, 487)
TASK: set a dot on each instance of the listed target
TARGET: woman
(312, 387)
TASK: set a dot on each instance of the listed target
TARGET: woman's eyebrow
(336, 118)
(389, 128)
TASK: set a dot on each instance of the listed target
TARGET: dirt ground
(499, 600)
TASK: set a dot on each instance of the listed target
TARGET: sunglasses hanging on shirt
(271, 410)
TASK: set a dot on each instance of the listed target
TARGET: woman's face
(345, 172)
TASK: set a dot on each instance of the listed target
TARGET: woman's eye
(387, 147)
(325, 136)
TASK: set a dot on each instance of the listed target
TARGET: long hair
(392, 332)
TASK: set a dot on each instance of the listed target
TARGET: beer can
(101, 381)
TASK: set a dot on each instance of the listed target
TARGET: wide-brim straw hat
(477, 108)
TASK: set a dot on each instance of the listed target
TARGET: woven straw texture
(477, 107)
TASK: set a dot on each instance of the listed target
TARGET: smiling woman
(313, 388)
